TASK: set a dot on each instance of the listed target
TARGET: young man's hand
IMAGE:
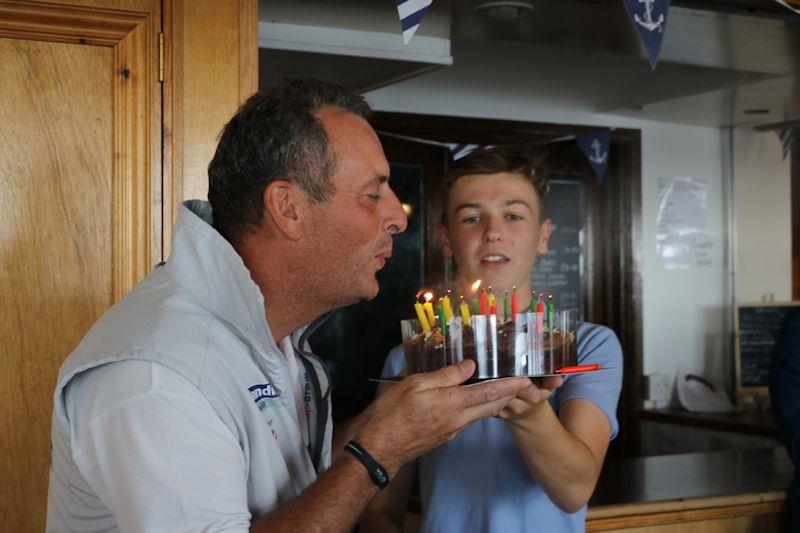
(425, 410)
(530, 400)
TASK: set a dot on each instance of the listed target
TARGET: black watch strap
(378, 474)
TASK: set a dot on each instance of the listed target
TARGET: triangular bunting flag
(786, 135)
(411, 13)
(649, 17)
(785, 4)
(595, 145)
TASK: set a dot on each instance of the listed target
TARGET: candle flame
(476, 285)
(428, 296)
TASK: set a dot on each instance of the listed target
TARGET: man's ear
(284, 204)
(444, 240)
(544, 235)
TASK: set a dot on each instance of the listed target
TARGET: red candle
(483, 302)
(540, 307)
(514, 302)
(492, 309)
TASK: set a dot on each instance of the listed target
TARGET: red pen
(577, 368)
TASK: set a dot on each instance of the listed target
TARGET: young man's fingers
(490, 391)
(483, 410)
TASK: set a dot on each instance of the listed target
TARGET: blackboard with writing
(558, 272)
(757, 327)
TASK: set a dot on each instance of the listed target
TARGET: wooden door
(80, 175)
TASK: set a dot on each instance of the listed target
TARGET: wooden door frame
(614, 291)
(136, 139)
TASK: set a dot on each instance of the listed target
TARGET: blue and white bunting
(786, 135)
(649, 17)
(411, 13)
(786, 5)
(460, 150)
(595, 145)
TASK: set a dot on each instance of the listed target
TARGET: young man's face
(356, 224)
(494, 230)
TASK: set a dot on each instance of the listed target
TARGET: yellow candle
(423, 320)
(464, 311)
(491, 297)
(448, 307)
(428, 307)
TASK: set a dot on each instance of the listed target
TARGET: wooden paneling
(211, 68)
(80, 176)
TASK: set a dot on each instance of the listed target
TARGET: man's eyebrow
(467, 206)
(519, 201)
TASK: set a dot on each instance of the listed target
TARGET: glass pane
(559, 271)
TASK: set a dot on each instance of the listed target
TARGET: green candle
(551, 313)
(507, 307)
(442, 321)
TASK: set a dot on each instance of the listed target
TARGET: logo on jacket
(264, 394)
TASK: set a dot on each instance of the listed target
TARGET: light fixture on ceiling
(503, 9)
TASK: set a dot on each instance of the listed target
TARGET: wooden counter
(732, 490)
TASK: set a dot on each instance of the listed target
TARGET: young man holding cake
(534, 467)
(194, 404)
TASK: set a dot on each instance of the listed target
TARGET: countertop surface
(695, 475)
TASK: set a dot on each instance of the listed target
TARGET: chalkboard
(757, 325)
(558, 272)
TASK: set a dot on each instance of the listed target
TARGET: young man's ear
(441, 234)
(544, 235)
(284, 204)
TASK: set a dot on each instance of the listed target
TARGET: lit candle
(507, 307)
(484, 302)
(423, 320)
(448, 307)
(514, 302)
(491, 297)
(540, 304)
(464, 311)
(428, 307)
(475, 304)
(533, 301)
(551, 313)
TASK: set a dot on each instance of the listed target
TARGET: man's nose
(493, 230)
(396, 219)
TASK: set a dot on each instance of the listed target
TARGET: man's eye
(470, 219)
(374, 197)
(512, 216)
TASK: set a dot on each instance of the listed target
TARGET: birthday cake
(529, 343)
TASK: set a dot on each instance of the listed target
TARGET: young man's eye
(470, 219)
(374, 197)
(514, 217)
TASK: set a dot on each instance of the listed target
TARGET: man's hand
(530, 400)
(425, 410)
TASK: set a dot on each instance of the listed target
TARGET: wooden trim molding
(136, 142)
(67, 23)
(615, 517)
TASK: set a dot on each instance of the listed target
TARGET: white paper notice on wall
(682, 238)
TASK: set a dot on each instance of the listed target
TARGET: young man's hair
(274, 136)
(513, 159)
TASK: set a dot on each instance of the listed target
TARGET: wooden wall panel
(211, 67)
(80, 176)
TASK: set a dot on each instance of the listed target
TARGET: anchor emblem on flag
(597, 155)
(595, 146)
(648, 23)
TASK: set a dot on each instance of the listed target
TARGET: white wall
(762, 199)
(685, 312)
